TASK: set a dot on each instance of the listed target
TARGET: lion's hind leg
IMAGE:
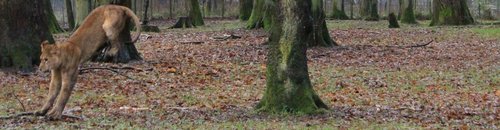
(113, 25)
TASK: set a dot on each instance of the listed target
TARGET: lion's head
(49, 59)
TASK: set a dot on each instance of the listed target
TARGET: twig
(19, 100)
(34, 114)
(103, 68)
(421, 45)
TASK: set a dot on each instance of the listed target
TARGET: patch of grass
(487, 32)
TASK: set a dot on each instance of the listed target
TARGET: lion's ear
(45, 43)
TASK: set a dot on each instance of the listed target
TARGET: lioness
(102, 24)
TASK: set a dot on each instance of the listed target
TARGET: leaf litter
(450, 83)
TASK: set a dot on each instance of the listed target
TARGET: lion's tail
(137, 23)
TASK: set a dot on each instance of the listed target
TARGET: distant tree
(52, 21)
(408, 15)
(245, 9)
(23, 26)
(369, 10)
(69, 12)
(338, 13)
(288, 87)
(195, 13)
(393, 21)
(320, 35)
(258, 18)
(451, 12)
(83, 8)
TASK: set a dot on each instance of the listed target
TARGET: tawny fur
(103, 24)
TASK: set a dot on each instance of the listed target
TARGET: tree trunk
(51, 18)
(408, 14)
(351, 3)
(336, 12)
(451, 12)
(82, 10)
(171, 8)
(393, 21)
(258, 18)
(245, 9)
(195, 13)
(71, 17)
(223, 7)
(289, 88)
(23, 26)
(320, 35)
(128, 52)
(369, 10)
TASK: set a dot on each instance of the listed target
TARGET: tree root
(34, 114)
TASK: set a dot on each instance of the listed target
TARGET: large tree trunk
(51, 18)
(369, 10)
(451, 12)
(23, 27)
(128, 52)
(195, 13)
(69, 12)
(408, 13)
(245, 9)
(320, 35)
(258, 18)
(336, 12)
(289, 88)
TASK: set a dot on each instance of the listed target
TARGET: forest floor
(189, 79)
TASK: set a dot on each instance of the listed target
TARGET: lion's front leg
(68, 83)
(54, 88)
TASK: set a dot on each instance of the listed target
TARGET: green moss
(408, 14)
(195, 13)
(488, 32)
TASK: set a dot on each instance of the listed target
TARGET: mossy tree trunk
(128, 52)
(23, 26)
(338, 13)
(259, 18)
(289, 88)
(51, 18)
(69, 12)
(245, 9)
(369, 10)
(320, 36)
(393, 21)
(408, 13)
(195, 13)
(451, 12)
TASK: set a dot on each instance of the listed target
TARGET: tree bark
(258, 18)
(82, 10)
(451, 12)
(51, 18)
(369, 10)
(23, 26)
(69, 12)
(320, 35)
(408, 13)
(245, 9)
(289, 88)
(338, 13)
(195, 13)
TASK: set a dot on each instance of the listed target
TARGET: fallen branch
(412, 46)
(191, 42)
(225, 37)
(34, 114)
(104, 68)
(19, 100)
(421, 45)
